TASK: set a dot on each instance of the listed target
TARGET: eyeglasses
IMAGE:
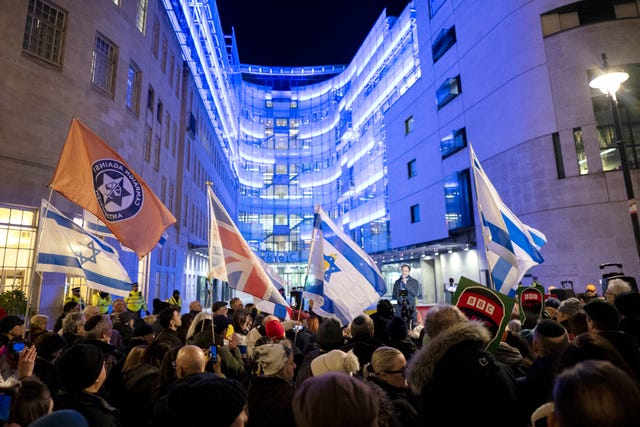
(402, 371)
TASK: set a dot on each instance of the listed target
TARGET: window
(134, 79)
(156, 154)
(155, 37)
(103, 64)
(583, 166)
(141, 15)
(443, 42)
(159, 111)
(147, 144)
(408, 126)
(447, 91)
(434, 6)
(151, 95)
(415, 214)
(411, 168)
(457, 193)
(163, 58)
(44, 31)
(453, 142)
(167, 135)
(557, 150)
(172, 62)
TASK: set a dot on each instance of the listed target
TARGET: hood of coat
(422, 365)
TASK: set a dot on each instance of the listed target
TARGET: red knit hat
(274, 329)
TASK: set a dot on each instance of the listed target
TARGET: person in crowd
(31, 401)
(90, 311)
(603, 319)
(141, 386)
(271, 391)
(37, 326)
(387, 371)
(568, 308)
(235, 304)
(616, 287)
(49, 346)
(590, 292)
(219, 308)
(62, 417)
(103, 301)
(591, 346)
(195, 307)
(335, 398)
(551, 305)
(167, 375)
(123, 323)
(186, 321)
(511, 355)
(454, 362)
(201, 322)
(73, 328)
(169, 318)
(81, 372)
(628, 305)
(98, 331)
(274, 330)
(141, 335)
(11, 330)
(118, 306)
(329, 338)
(209, 401)
(76, 297)
(136, 302)
(233, 364)
(260, 330)
(381, 318)
(549, 342)
(362, 340)
(175, 300)
(595, 393)
(66, 309)
(406, 291)
(398, 332)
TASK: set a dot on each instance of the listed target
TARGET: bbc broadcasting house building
(380, 143)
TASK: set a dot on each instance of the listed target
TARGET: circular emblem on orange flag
(119, 193)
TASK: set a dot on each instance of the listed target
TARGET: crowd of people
(234, 366)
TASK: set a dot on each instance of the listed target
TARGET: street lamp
(608, 83)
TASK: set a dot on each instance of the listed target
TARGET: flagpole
(213, 282)
(41, 225)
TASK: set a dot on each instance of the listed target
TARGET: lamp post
(608, 83)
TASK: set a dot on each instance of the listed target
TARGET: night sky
(301, 32)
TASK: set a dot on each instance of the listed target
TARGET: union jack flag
(231, 259)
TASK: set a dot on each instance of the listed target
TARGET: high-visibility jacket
(176, 302)
(103, 304)
(76, 299)
(135, 301)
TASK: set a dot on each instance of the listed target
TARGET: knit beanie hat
(362, 327)
(212, 399)
(605, 313)
(335, 361)
(10, 322)
(570, 306)
(397, 328)
(550, 329)
(274, 329)
(330, 335)
(142, 330)
(79, 367)
(270, 358)
(220, 324)
(335, 399)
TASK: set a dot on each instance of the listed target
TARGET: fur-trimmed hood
(422, 365)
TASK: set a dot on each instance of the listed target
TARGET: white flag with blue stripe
(94, 226)
(65, 247)
(512, 247)
(346, 281)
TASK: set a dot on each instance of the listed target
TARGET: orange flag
(91, 174)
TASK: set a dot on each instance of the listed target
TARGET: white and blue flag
(65, 247)
(512, 247)
(345, 280)
(93, 225)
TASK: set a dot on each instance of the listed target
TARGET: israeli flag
(65, 247)
(512, 247)
(94, 226)
(345, 280)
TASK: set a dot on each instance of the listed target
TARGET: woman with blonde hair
(387, 371)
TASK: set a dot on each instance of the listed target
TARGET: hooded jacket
(459, 383)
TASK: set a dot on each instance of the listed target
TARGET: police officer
(176, 300)
(76, 297)
(135, 301)
(103, 301)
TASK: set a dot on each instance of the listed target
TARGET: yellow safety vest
(135, 301)
(74, 298)
(103, 304)
(175, 302)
